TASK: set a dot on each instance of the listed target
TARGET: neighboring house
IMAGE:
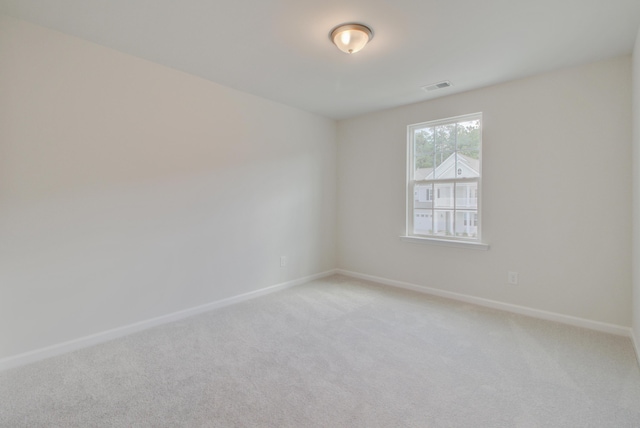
(437, 204)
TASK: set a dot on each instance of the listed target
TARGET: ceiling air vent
(435, 86)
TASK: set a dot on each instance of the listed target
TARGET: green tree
(423, 149)
(434, 145)
(468, 138)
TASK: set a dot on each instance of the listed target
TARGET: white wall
(130, 191)
(556, 194)
(636, 195)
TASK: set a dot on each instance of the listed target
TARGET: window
(444, 178)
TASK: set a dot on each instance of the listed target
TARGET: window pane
(468, 147)
(445, 145)
(466, 224)
(423, 148)
(443, 195)
(468, 137)
(423, 196)
(467, 195)
(468, 165)
(443, 222)
(422, 222)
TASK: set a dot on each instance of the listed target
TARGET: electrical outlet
(283, 261)
(512, 277)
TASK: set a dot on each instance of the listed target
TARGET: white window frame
(455, 241)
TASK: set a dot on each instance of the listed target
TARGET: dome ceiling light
(351, 38)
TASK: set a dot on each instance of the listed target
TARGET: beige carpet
(336, 352)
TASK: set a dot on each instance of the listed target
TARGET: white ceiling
(280, 49)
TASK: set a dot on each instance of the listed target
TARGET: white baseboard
(508, 307)
(94, 339)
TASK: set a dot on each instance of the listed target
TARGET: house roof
(422, 173)
(447, 169)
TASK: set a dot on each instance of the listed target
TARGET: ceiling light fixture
(351, 38)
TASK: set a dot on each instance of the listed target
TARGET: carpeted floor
(336, 352)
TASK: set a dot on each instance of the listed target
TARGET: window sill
(446, 243)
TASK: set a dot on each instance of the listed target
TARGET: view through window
(444, 178)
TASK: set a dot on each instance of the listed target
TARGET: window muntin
(444, 178)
